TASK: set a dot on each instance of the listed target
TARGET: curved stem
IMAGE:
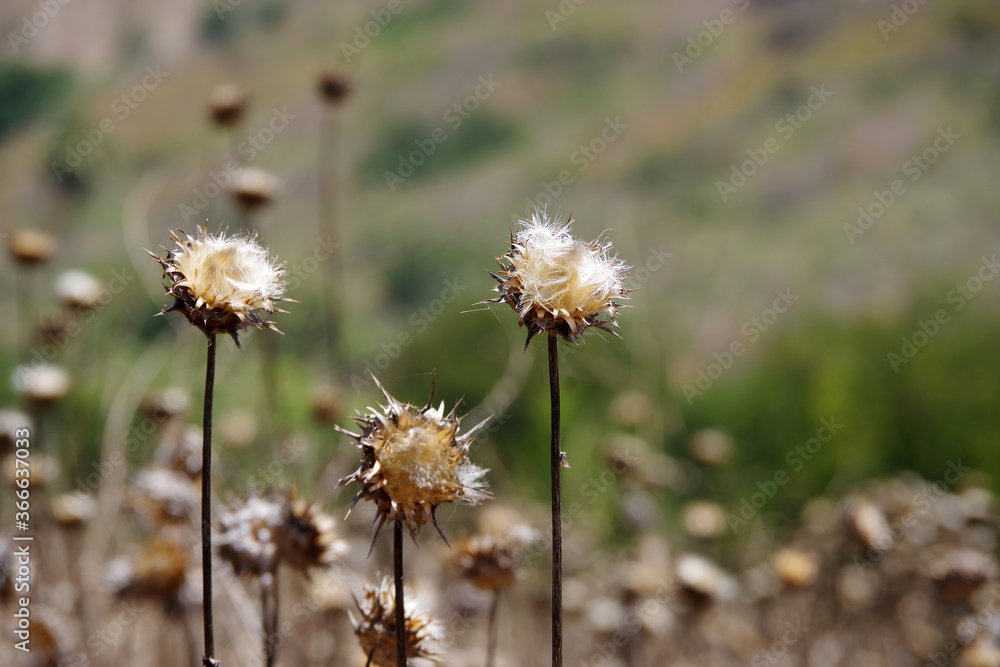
(397, 561)
(206, 506)
(557, 459)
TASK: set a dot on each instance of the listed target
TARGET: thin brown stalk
(556, 463)
(397, 561)
(206, 507)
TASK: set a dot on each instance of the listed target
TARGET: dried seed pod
(221, 283)
(412, 461)
(226, 104)
(73, 509)
(795, 567)
(492, 561)
(166, 497)
(30, 247)
(42, 385)
(335, 86)
(255, 188)
(307, 537)
(376, 626)
(78, 290)
(247, 534)
(557, 284)
(159, 571)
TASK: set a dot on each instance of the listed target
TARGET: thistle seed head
(257, 534)
(78, 290)
(254, 188)
(226, 104)
(376, 627)
(491, 561)
(42, 385)
(165, 497)
(222, 283)
(557, 284)
(30, 247)
(412, 461)
(307, 537)
(247, 534)
(159, 570)
(335, 86)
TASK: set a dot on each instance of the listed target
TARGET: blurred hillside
(727, 146)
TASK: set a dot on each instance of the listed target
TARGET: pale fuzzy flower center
(561, 274)
(417, 456)
(234, 272)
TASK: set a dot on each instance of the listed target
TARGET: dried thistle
(307, 537)
(166, 497)
(557, 284)
(222, 283)
(412, 461)
(43, 384)
(491, 560)
(247, 534)
(78, 290)
(226, 104)
(30, 247)
(254, 188)
(73, 509)
(335, 86)
(159, 570)
(376, 627)
(11, 421)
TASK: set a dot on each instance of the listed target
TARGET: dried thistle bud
(180, 450)
(159, 570)
(325, 405)
(557, 284)
(335, 86)
(247, 536)
(412, 461)
(307, 537)
(11, 421)
(44, 469)
(958, 573)
(376, 627)
(167, 404)
(703, 519)
(226, 104)
(703, 580)
(30, 247)
(222, 283)
(867, 523)
(796, 568)
(166, 497)
(72, 510)
(78, 290)
(42, 385)
(492, 561)
(254, 188)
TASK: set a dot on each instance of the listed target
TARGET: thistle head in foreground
(412, 461)
(557, 284)
(376, 628)
(222, 283)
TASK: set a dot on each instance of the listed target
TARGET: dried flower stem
(206, 506)
(491, 630)
(397, 562)
(269, 613)
(328, 207)
(557, 458)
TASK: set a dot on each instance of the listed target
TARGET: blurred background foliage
(655, 186)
